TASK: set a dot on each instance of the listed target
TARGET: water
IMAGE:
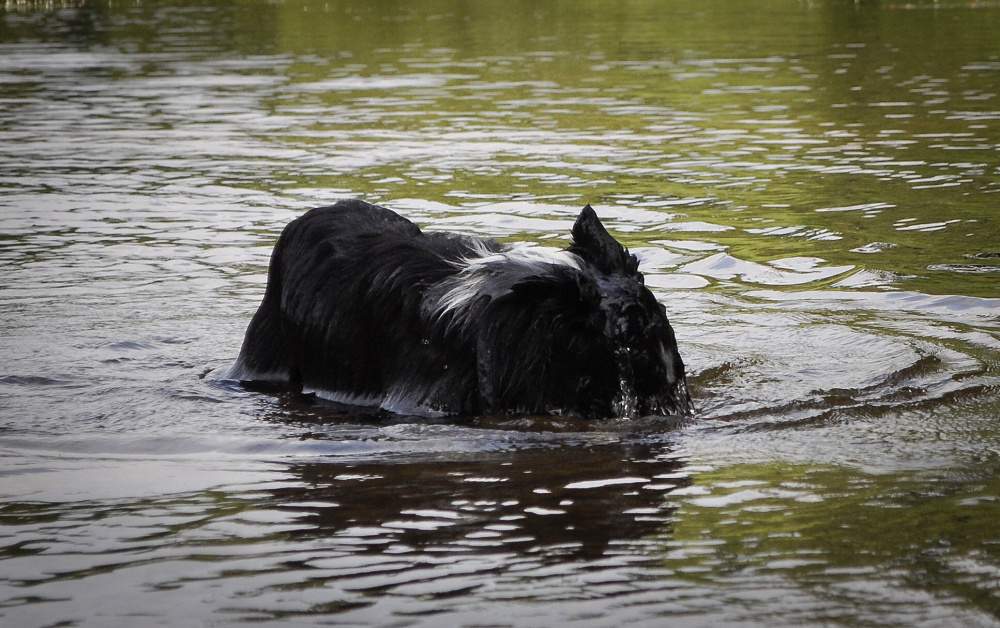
(812, 188)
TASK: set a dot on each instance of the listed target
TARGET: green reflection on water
(770, 112)
(822, 527)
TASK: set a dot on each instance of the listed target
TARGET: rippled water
(812, 189)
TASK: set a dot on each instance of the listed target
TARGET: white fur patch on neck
(525, 254)
(478, 272)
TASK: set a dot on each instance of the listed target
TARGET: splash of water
(626, 402)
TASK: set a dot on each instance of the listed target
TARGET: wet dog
(364, 308)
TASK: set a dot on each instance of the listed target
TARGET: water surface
(812, 189)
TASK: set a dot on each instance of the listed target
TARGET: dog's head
(649, 369)
(586, 336)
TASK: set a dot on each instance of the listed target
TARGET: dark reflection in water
(811, 189)
(565, 534)
(532, 500)
(327, 538)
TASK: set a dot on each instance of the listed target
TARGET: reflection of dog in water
(363, 308)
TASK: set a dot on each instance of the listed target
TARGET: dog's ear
(592, 242)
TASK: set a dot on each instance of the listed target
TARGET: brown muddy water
(813, 188)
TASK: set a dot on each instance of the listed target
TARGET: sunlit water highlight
(812, 192)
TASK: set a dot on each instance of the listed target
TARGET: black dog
(364, 308)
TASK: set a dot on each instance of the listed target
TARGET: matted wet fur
(363, 307)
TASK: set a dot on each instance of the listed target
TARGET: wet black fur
(352, 306)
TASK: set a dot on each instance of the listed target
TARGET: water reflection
(639, 535)
(520, 501)
(419, 531)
